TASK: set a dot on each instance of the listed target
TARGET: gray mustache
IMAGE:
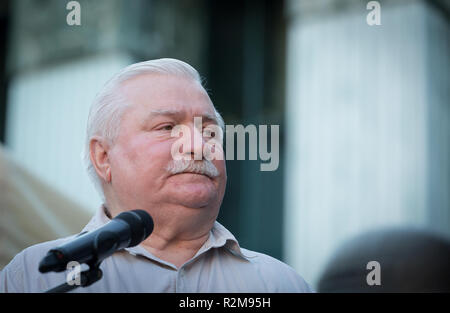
(204, 167)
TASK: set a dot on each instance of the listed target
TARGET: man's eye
(166, 127)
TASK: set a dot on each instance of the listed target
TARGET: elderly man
(130, 156)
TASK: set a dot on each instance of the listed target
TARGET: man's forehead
(181, 113)
(180, 107)
(168, 95)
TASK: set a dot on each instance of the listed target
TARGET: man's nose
(197, 142)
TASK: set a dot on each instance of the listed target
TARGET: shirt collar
(99, 219)
(219, 236)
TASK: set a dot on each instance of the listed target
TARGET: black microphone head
(50, 263)
(141, 225)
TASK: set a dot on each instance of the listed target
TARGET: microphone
(127, 229)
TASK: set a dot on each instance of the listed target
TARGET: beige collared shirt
(219, 266)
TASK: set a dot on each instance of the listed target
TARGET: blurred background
(364, 113)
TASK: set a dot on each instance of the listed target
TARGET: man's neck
(174, 242)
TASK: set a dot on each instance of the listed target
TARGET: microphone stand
(87, 278)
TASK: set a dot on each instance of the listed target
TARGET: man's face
(142, 151)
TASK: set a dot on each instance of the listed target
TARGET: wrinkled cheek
(143, 163)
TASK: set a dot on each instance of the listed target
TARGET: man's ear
(98, 151)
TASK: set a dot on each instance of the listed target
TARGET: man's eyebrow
(157, 112)
(160, 112)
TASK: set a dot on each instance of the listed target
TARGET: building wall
(367, 111)
(46, 124)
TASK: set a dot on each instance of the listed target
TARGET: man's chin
(193, 196)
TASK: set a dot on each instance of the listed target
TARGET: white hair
(108, 106)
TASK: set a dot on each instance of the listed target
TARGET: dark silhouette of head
(410, 260)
